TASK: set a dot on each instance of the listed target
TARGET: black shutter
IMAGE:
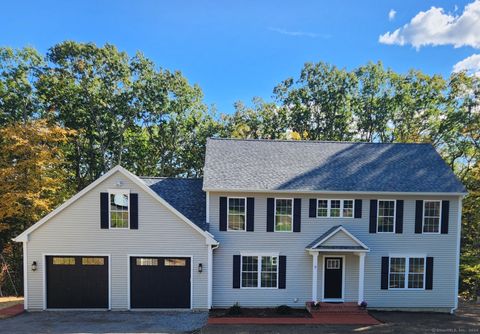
(134, 211)
(399, 217)
(312, 210)
(223, 214)
(236, 271)
(429, 274)
(270, 214)
(445, 215)
(297, 214)
(282, 272)
(250, 213)
(418, 216)
(373, 216)
(103, 210)
(358, 208)
(384, 279)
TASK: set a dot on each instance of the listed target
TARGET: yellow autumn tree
(32, 173)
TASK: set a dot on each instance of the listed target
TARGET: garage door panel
(160, 282)
(74, 283)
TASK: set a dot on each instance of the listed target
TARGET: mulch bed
(260, 313)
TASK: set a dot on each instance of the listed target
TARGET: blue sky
(236, 50)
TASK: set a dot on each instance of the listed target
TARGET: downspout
(25, 273)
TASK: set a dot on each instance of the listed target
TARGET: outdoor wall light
(34, 265)
(200, 267)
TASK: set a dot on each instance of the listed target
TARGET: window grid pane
(249, 271)
(283, 214)
(236, 214)
(269, 272)
(397, 273)
(347, 208)
(386, 216)
(118, 210)
(431, 220)
(416, 268)
(322, 208)
(335, 208)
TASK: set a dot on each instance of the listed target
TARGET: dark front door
(160, 282)
(77, 281)
(333, 267)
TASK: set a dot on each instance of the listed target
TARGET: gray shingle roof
(236, 164)
(185, 195)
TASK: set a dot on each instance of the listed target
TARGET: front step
(335, 308)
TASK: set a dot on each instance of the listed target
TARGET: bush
(283, 309)
(234, 310)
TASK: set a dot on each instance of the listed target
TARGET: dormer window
(119, 208)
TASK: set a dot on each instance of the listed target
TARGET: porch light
(200, 267)
(34, 265)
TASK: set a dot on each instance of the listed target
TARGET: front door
(333, 268)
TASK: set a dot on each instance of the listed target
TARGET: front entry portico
(330, 251)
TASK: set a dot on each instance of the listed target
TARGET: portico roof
(337, 238)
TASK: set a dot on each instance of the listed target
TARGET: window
(283, 215)
(236, 214)
(333, 263)
(175, 262)
(386, 216)
(407, 273)
(335, 208)
(64, 261)
(146, 262)
(322, 208)
(259, 271)
(119, 204)
(93, 261)
(431, 216)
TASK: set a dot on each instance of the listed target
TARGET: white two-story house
(271, 223)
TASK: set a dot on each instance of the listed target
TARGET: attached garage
(77, 282)
(160, 282)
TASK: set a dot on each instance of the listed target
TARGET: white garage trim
(44, 268)
(129, 256)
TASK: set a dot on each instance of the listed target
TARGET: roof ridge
(170, 177)
(310, 141)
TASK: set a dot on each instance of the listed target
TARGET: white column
(209, 275)
(25, 275)
(361, 276)
(314, 275)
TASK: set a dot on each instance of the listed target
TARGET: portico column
(361, 276)
(314, 275)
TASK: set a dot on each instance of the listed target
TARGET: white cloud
(391, 14)
(297, 33)
(435, 27)
(470, 64)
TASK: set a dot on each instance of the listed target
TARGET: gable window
(386, 216)
(335, 208)
(119, 208)
(259, 271)
(283, 214)
(407, 273)
(431, 216)
(236, 214)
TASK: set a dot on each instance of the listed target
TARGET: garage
(77, 282)
(160, 282)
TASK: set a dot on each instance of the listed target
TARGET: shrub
(235, 309)
(283, 309)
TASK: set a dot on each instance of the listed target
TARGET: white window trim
(341, 208)
(259, 270)
(394, 214)
(116, 192)
(228, 214)
(275, 215)
(439, 216)
(407, 271)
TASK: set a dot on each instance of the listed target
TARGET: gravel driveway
(105, 322)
